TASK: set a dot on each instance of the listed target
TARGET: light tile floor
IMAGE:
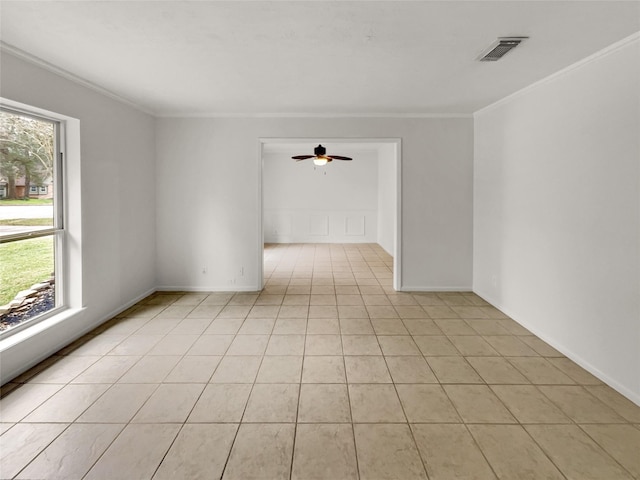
(326, 373)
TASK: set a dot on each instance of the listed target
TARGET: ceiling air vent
(500, 48)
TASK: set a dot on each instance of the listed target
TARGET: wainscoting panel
(319, 225)
(300, 226)
(281, 224)
(355, 225)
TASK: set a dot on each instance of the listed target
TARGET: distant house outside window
(38, 190)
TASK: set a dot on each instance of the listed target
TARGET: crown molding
(312, 115)
(554, 76)
(21, 54)
(16, 52)
(12, 50)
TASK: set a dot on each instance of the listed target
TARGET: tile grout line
(408, 423)
(134, 415)
(73, 422)
(326, 257)
(295, 425)
(594, 440)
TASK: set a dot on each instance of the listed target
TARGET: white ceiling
(307, 57)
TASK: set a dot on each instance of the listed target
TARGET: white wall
(335, 203)
(117, 146)
(208, 214)
(557, 213)
(387, 197)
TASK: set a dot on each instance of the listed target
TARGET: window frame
(57, 231)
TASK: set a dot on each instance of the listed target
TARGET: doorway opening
(354, 206)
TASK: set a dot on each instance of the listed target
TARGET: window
(37, 190)
(31, 229)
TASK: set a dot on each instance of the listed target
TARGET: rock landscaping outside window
(27, 304)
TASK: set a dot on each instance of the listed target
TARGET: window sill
(37, 328)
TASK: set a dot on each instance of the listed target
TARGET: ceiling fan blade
(302, 157)
(339, 157)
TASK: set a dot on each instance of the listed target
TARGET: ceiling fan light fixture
(320, 157)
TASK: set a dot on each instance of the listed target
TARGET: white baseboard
(122, 308)
(408, 288)
(186, 288)
(633, 396)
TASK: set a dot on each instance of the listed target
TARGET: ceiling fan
(320, 157)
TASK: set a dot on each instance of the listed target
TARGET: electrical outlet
(494, 280)
(204, 269)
